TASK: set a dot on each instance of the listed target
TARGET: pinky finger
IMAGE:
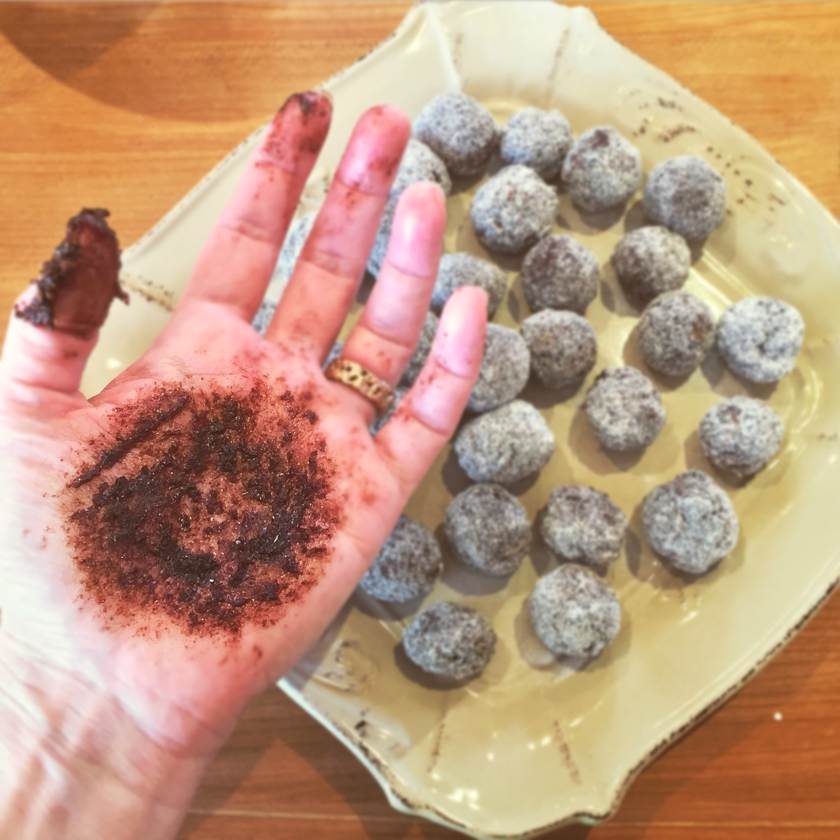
(428, 415)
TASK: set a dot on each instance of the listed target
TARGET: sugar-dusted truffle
(759, 338)
(691, 522)
(450, 640)
(560, 273)
(624, 409)
(687, 196)
(420, 163)
(421, 352)
(539, 139)
(675, 332)
(513, 210)
(602, 169)
(505, 445)
(563, 347)
(650, 261)
(740, 435)
(488, 529)
(460, 130)
(407, 566)
(583, 525)
(574, 613)
(464, 269)
(504, 369)
(376, 427)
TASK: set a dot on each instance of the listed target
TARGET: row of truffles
(689, 521)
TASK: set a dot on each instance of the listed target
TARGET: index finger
(236, 262)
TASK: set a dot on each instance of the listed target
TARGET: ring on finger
(362, 380)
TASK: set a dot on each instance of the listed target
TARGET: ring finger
(384, 337)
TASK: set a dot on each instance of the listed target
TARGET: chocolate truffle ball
(450, 640)
(687, 196)
(539, 139)
(296, 238)
(741, 435)
(760, 338)
(263, 316)
(675, 333)
(563, 347)
(513, 210)
(602, 170)
(691, 522)
(560, 273)
(504, 369)
(488, 529)
(624, 409)
(649, 262)
(463, 269)
(420, 163)
(407, 566)
(505, 445)
(574, 613)
(582, 525)
(421, 352)
(460, 131)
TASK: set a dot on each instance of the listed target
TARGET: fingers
(429, 413)
(40, 357)
(384, 338)
(324, 282)
(237, 260)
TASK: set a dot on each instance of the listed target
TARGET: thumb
(55, 323)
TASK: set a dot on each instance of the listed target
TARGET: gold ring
(362, 380)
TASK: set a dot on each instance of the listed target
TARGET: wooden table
(127, 106)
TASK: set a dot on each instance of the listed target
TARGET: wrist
(75, 764)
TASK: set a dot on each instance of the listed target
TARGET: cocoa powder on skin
(211, 510)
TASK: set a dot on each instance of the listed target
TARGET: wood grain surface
(127, 106)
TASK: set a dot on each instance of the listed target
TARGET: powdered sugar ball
(407, 566)
(741, 435)
(602, 169)
(539, 139)
(675, 332)
(504, 369)
(376, 427)
(513, 210)
(450, 640)
(421, 352)
(574, 613)
(488, 529)
(760, 338)
(624, 409)
(420, 163)
(505, 445)
(691, 522)
(649, 262)
(460, 130)
(560, 273)
(582, 525)
(563, 347)
(464, 269)
(687, 196)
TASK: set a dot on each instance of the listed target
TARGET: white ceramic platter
(535, 743)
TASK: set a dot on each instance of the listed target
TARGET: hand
(182, 688)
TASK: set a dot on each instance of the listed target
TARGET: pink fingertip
(297, 131)
(417, 232)
(375, 150)
(459, 343)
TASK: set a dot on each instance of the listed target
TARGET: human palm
(182, 685)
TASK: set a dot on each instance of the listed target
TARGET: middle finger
(324, 282)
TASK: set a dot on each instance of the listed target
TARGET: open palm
(183, 688)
